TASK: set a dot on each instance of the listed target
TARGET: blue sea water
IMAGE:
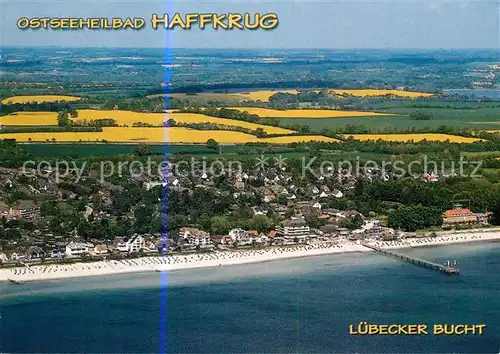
(299, 305)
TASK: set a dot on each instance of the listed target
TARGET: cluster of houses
(22, 209)
(280, 194)
(290, 231)
(294, 230)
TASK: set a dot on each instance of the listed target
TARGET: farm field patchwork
(374, 92)
(262, 96)
(155, 135)
(39, 99)
(306, 113)
(265, 95)
(413, 137)
(129, 118)
(443, 116)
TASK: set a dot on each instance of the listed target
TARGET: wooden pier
(420, 262)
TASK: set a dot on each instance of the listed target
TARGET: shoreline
(227, 258)
(443, 239)
(171, 263)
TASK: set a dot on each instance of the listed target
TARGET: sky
(396, 24)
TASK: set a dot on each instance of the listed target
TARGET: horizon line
(255, 48)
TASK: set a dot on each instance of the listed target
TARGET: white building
(195, 237)
(150, 185)
(337, 194)
(240, 236)
(316, 205)
(135, 244)
(74, 249)
(294, 229)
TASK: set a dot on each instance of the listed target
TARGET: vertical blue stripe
(164, 198)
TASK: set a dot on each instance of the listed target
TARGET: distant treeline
(33, 106)
(306, 84)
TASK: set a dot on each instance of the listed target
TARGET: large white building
(133, 244)
(74, 249)
(195, 237)
(240, 236)
(294, 229)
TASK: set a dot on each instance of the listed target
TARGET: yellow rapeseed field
(265, 95)
(231, 96)
(137, 135)
(306, 113)
(29, 118)
(39, 99)
(413, 137)
(129, 118)
(157, 135)
(374, 92)
(261, 95)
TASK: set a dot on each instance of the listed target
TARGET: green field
(86, 150)
(82, 150)
(457, 118)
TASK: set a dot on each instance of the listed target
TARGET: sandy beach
(226, 258)
(443, 238)
(169, 263)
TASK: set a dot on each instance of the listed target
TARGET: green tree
(63, 119)
(260, 133)
(415, 217)
(212, 144)
(143, 150)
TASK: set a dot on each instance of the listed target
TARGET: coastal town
(289, 214)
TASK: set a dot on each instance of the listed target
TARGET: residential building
(101, 249)
(75, 249)
(135, 244)
(316, 205)
(483, 218)
(240, 236)
(195, 237)
(35, 252)
(22, 209)
(294, 229)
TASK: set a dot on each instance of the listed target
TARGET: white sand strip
(215, 259)
(442, 239)
(177, 262)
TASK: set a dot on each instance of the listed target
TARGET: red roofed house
(459, 216)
